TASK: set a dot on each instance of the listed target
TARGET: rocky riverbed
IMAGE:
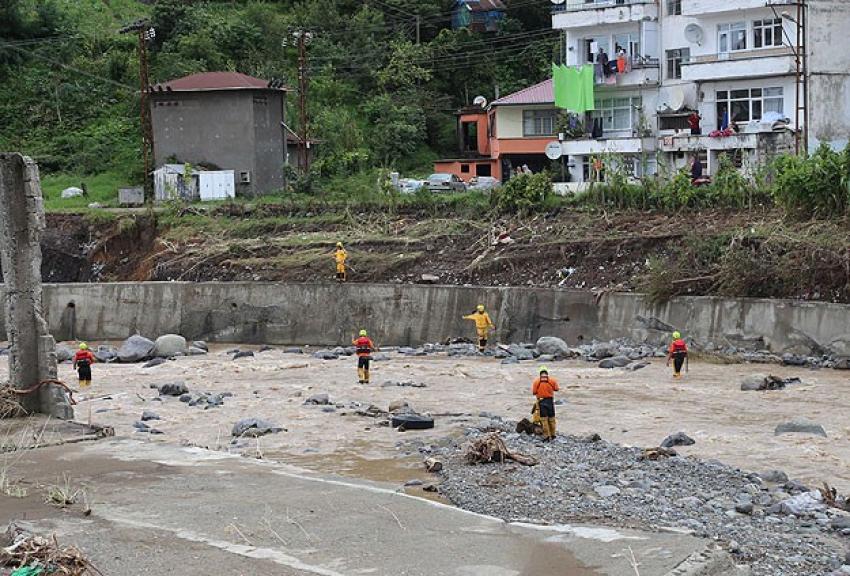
(777, 526)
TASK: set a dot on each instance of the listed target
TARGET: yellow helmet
(677, 335)
(364, 333)
(339, 244)
(84, 346)
(481, 307)
(543, 370)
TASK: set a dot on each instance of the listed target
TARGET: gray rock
(154, 362)
(553, 346)
(195, 351)
(400, 405)
(601, 351)
(615, 362)
(106, 354)
(245, 354)
(293, 350)
(71, 192)
(325, 355)
(141, 426)
(842, 364)
(265, 348)
(776, 476)
(744, 508)
(328, 408)
(414, 482)
(380, 357)
(606, 491)
(169, 345)
(64, 353)
(186, 398)
(135, 348)
(173, 389)
(800, 427)
(318, 400)
(520, 352)
(429, 279)
(753, 382)
(803, 504)
(200, 344)
(148, 415)
(254, 427)
(678, 439)
(840, 523)
(510, 360)
(634, 366)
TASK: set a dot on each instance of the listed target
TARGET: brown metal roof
(485, 5)
(215, 81)
(542, 93)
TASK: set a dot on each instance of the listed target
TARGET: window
(675, 59)
(538, 122)
(767, 33)
(464, 168)
(674, 7)
(732, 37)
(674, 122)
(629, 42)
(748, 104)
(618, 113)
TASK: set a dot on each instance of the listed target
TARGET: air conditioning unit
(245, 177)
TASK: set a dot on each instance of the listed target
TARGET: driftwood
(24, 549)
(9, 405)
(491, 448)
(659, 453)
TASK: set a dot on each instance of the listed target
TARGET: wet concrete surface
(157, 508)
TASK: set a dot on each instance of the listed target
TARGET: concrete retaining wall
(328, 314)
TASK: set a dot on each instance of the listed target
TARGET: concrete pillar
(32, 354)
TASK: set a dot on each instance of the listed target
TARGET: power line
(68, 67)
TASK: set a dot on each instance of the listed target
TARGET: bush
(815, 186)
(522, 194)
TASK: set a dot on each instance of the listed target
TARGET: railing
(577, 5)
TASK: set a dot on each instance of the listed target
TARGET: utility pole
(303, 38)
(145, 34)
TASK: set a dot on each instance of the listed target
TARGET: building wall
(829, 69)
(268, 138)
(329, 314)
(204, 127)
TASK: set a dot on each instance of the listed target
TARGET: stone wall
(328, 314)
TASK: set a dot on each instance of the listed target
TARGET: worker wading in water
(678, 353)
(483, 325)
(364, 348)
(83, 360)
(340, 255)
(544, 389)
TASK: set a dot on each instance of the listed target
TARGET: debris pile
(43, 555)
(492, 448)
(9, 405)
(778, 527)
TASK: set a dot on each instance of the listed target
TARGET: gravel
(586, 480)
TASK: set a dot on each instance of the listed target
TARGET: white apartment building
(732, 61)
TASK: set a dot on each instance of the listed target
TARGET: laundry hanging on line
(574, 87)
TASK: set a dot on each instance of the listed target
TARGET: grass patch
(101, 188)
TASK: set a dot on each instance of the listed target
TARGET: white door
(219, 185)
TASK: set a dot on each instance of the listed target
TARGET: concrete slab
(157, 509)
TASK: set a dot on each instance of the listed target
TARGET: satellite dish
(677, 98)
(480, 101)
(694, 34)
(557, 1)
(554, 150)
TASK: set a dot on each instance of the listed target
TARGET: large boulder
(169, 345)
(135, 349)
(554, 346)
(753, 382)
(64, 353)
(105, 354)
(254, 427)
(615, 362)
(800, 427)
(520, 352)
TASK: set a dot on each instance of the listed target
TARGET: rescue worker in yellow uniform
(544, 389)
(483, 325)
(340, 255)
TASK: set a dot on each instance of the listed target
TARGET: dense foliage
(69, 80)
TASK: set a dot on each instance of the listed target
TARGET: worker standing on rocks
(364, 348)
(340, 255)
(678, 353)
(83, 360)
(544, 389)
(483, 325)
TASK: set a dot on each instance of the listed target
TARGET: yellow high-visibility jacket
(340, 256)
(482, 320)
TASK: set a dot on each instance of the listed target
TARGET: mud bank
(328, 314)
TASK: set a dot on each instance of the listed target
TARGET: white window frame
(539, 120)
(769, 27)
(765, 99)
(727, 33)
(674, 7)
(608, 109)
(680, 55)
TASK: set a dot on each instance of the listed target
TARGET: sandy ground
(633, 408)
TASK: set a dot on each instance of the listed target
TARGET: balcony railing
(577, 5)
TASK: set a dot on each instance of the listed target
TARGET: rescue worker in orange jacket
(678, 353)
(544, 389)
(83, 360)
(483, 325)
(364, 348)
(340, 255)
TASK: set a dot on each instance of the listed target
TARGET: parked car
(411, 185)
(484, 183)
(442, 182)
